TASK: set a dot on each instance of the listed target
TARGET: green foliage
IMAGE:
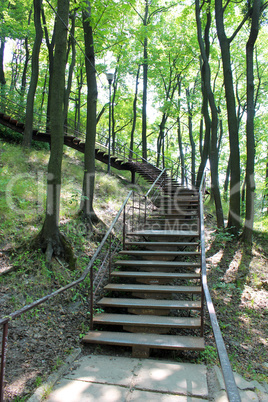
(209, 355)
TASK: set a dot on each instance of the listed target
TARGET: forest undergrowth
(40, 340)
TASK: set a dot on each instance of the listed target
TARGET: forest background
(189, 82)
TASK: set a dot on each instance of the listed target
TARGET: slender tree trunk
(50, 237)
(182, 162)
(71, 69)
(89, 161)
(28, 131)
(145, 85)
(26, 62)
(214, 157)
(250, 182)
(134, 115)
(234, 206)
(50, 47)
(79, 79)
(2, 49)
(190, 127)
(115, 81)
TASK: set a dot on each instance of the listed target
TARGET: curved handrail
(70, 128)
(89, 270)
(231, 388)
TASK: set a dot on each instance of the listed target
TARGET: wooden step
(147, 320)
(159, 254)
(155, 275)
(157, 264)
(150, 303)
(145, 341)
(167, 289)
(175, 215)
(164, 233)
(160, 244)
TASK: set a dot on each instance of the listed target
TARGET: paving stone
(248, 396)
(105, 370)
(258, 386)
(138, 396)
(74, 391)
(177, 378)
(242, 383)
(219, 377)
(220, 396)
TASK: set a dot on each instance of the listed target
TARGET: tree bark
(72, 64)
(2, 49)
(182, 162)
(26, 62)
(214, 157)
(134, 115)
(28, 130)
(50, 237)
(234, 205)
(250, 182)
(89, 161)
(50, 47)
(190, 128)
(145, 85)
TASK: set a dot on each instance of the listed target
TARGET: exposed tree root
(56, 245)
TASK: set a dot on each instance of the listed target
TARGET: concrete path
(124, 379)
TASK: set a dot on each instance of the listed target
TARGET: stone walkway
(122, 379)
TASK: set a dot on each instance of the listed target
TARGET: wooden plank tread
(150, 303)
(162, 243)
(159, 275)
(165, 264)
(152, 288)
(159, 252)
(149, 340)
(144, 320)
(165, 233)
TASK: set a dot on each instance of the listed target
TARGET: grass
(237, 279)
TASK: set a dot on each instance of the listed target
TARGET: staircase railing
(230, 385)
(119, 149)
(112, 240)
(130, 215)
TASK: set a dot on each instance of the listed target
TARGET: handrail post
(145, 210)
(91, 298)
(110, 253)
(124, 228)
(3, 360)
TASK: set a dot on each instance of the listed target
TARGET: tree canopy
(182, 82)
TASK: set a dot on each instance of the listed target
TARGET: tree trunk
(71, 69)
(115, 80)
(234, 205)
(214, 157)
(79, 79)
(2, 49)
(190, 128)
(89, 161)
(50, 47)
(250, 182)
(134, 115)
(50, 237)
(182, 163)
(28, 130)
(26, 62)
(145, 85)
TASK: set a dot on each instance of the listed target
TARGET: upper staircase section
(12, 115)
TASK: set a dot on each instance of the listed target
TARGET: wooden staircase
(154, 298)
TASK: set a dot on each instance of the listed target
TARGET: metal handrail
(230, 384)
(89, 270)
(69, 127)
